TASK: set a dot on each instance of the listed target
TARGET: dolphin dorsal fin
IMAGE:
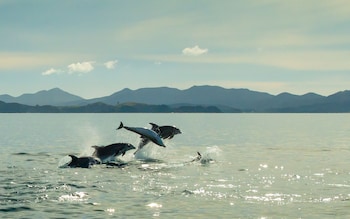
(155, 128)
(74, 160)
(73, 157)
(121, 126)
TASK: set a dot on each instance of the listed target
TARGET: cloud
(110, 64)
(52, 71)
(80, 67)
(194, 51)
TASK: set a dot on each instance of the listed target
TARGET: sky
(94, 48)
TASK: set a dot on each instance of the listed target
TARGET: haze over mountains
(224, 100)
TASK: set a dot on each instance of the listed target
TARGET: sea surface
(253, 166)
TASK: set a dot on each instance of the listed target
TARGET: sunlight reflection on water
(253, 166)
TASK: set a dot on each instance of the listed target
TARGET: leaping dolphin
(109, 152)
(165, 132)
(145, 133)
(83, 162)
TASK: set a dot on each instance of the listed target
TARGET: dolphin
(109, 152)
(165, 132)
(145, 133)
(198, 158)
(83, 162)
(201, 159)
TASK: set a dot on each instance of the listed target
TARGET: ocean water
(254, 166)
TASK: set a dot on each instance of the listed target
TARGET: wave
(16, 209)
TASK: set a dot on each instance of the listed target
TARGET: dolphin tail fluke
(138, 149)
(120, 126)
(143, 142)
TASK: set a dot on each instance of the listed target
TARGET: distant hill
(105, 108)
(159, 95)
(287, 100)
(198, 95)
(204, 98)
(54, 97)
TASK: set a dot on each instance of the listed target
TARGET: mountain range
(225, 100)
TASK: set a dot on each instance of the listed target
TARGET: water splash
(74, 197)
(211, 155)
(151, 153)
(91, 137)
(64, 161)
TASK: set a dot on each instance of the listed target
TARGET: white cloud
(194, 51)
(80, 67)
(110, 64)
(83, 67)
(51, 71)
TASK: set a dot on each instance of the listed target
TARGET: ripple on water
(16, 209)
